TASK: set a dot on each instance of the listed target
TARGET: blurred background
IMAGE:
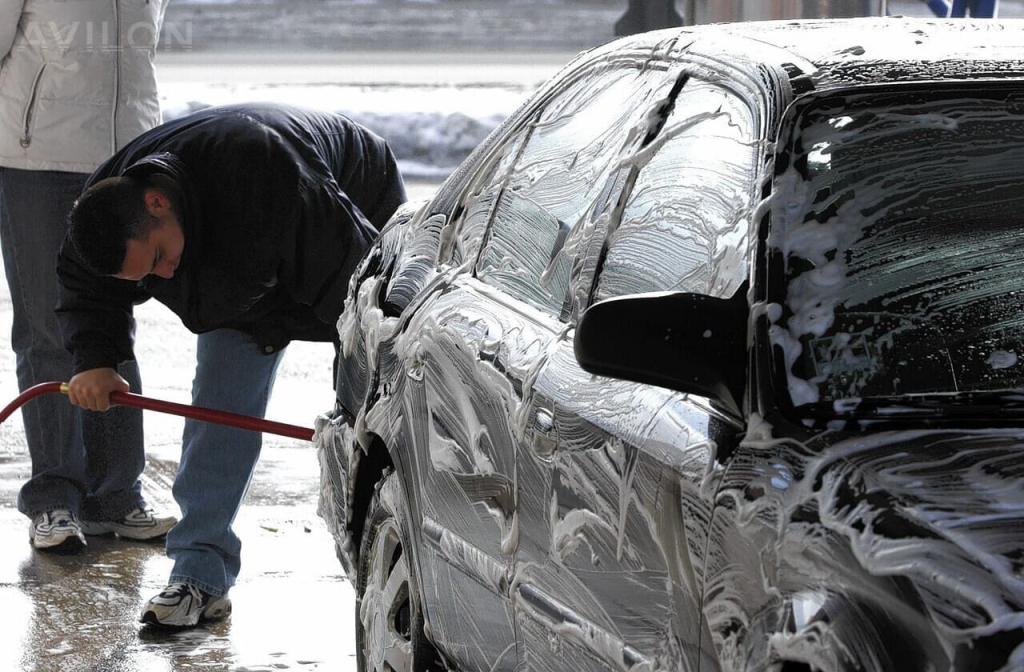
(432, 76)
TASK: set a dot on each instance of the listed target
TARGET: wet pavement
(293, 609)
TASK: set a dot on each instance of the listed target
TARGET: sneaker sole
(139, 535)
(217, 611)
(133, 533)
(71, 544)
(150, 619)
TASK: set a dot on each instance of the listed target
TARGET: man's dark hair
(105, 217)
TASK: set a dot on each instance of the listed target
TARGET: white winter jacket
(77, 80)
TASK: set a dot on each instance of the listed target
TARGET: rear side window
(573, 147)
(685, 223)
(481, 197)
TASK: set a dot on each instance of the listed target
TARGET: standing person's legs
(217, 462)
(33, 206)
(116, 457)
(33, 221)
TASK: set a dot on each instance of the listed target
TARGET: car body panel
(620, 503)
(920, 527)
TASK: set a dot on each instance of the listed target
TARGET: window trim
(566, 314)
(450, 198)
(732, 85)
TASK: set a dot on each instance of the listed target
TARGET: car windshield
(898, 249)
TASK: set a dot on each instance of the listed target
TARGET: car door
(478, 342)
(614, 492)
(455, 406)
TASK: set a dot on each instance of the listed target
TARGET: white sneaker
(181, 605)
(56, 531)
(139, 523)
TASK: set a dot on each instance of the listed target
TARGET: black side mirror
(686, 342)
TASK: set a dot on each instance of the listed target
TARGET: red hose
(184, 410)
(28, 395)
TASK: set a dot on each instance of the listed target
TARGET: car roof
(836, 53)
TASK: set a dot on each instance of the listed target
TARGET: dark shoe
(56, 531)
(181, 605)
(141, 524)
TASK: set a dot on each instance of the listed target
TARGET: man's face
(160, 253)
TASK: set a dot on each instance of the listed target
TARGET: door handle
(544, 421)
(489, 350)
(541, 433)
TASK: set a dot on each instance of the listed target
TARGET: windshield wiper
(974, 404)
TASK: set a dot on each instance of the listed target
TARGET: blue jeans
(83, 461)
(217, 462)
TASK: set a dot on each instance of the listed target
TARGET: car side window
(480, 197)
(572, 149)
(685, 224)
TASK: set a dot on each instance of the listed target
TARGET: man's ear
(156, 202)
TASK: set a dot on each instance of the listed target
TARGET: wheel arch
(371, 470)
(388, 496)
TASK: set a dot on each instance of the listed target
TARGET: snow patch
(431, 129)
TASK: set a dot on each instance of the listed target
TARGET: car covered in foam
(710, 357)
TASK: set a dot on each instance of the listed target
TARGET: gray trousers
(83, 461)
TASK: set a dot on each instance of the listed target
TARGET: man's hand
(91, 389)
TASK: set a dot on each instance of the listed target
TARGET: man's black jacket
(278, 205)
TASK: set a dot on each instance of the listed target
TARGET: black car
(710, 357)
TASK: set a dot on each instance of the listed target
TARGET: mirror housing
(690, 343)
